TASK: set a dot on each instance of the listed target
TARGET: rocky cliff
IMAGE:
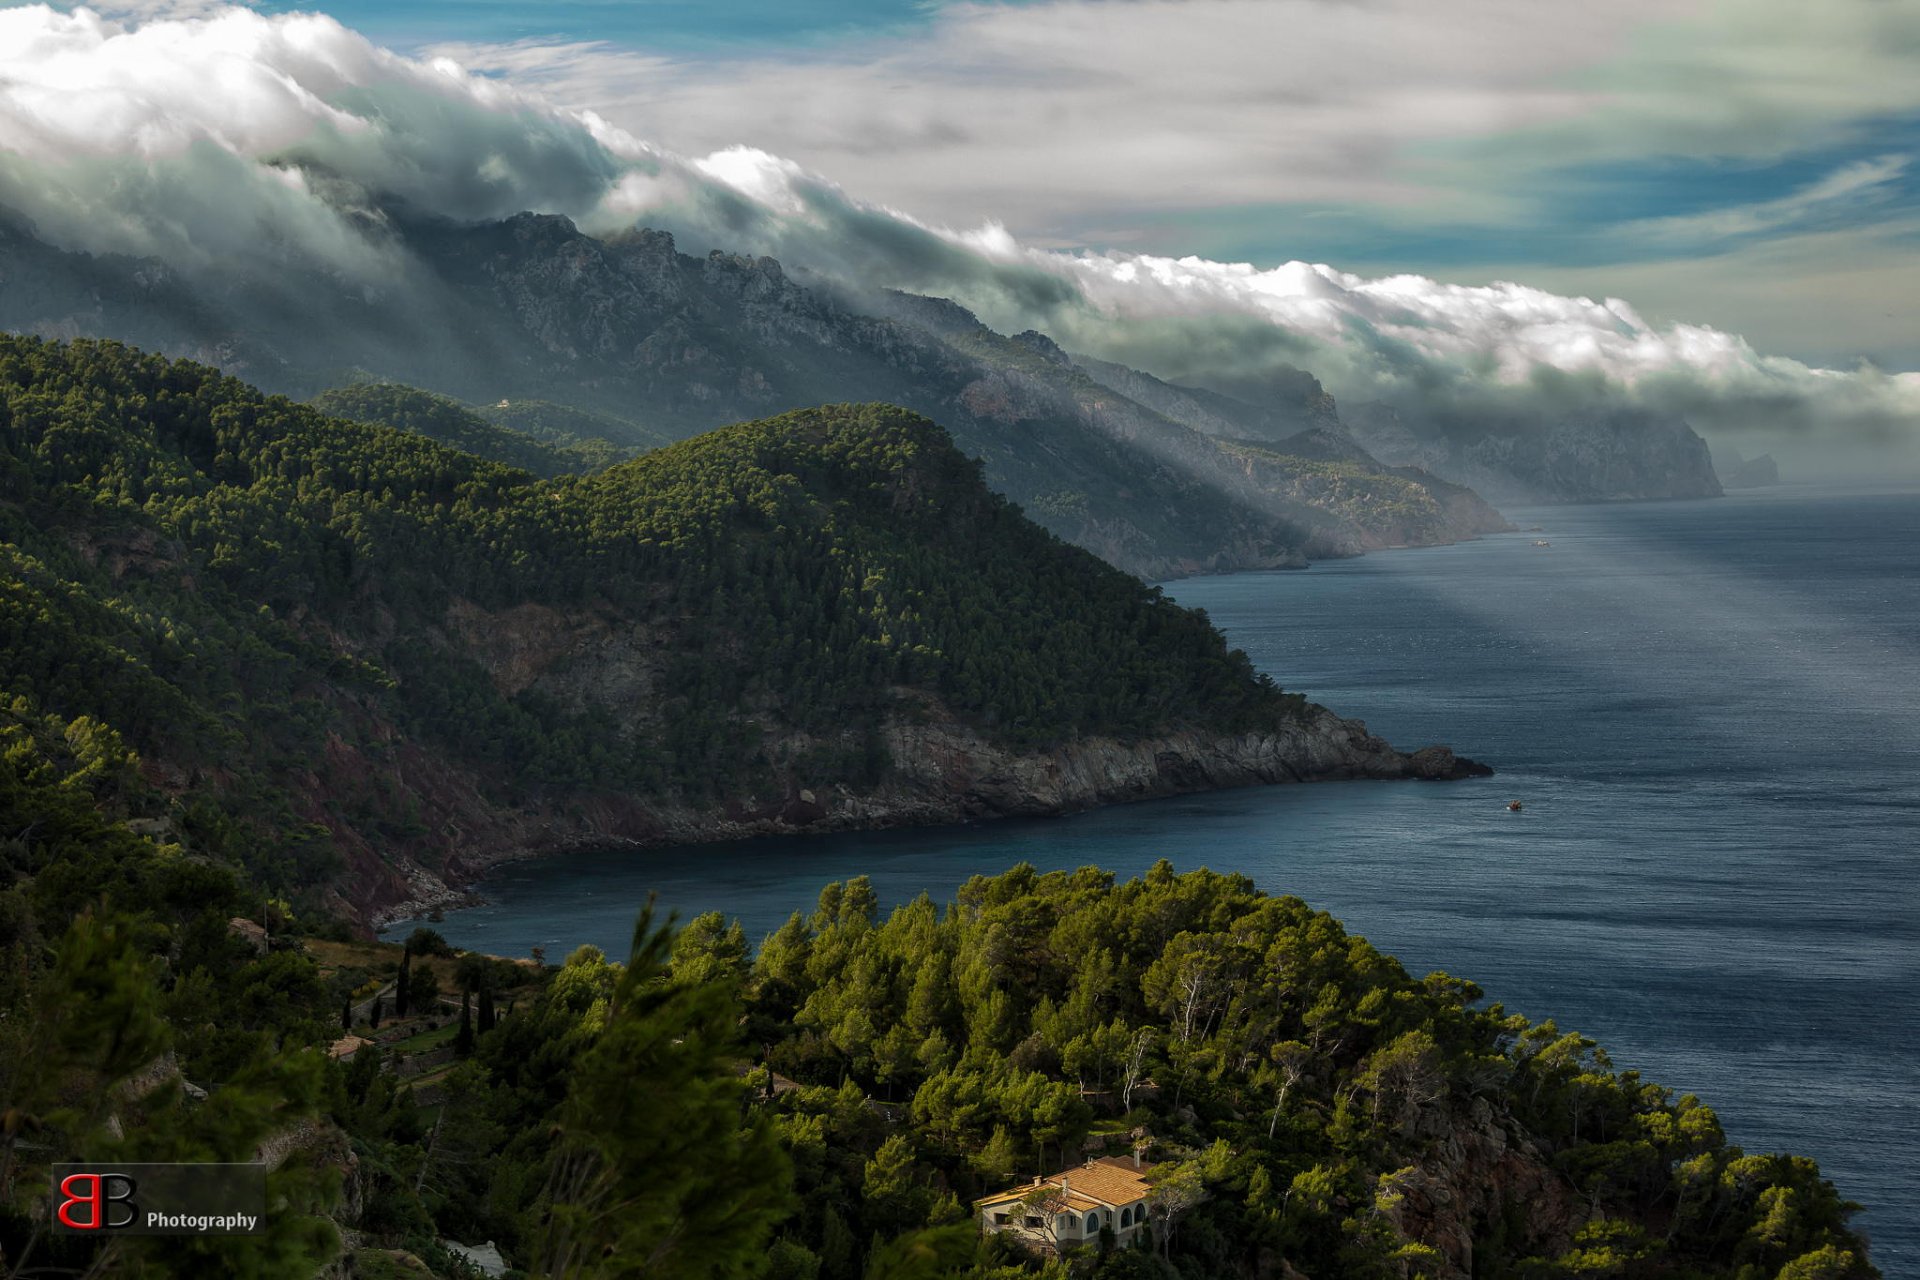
(1736, 472)
(1599, 454)
(941, 771)
(940, 768)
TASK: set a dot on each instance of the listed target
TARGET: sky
(1707, 207)
(1749, 165)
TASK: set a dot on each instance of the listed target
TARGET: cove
(1708, 710)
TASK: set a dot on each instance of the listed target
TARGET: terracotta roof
(1056, 1203)
(1111, 1181)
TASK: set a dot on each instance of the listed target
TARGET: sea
(1710, 713)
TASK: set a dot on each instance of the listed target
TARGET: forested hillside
(572, 337)
(339, 647)
(546, 453)
(829, 1108)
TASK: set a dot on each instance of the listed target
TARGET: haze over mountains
(285, 166)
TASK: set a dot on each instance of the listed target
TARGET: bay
(1710, 713)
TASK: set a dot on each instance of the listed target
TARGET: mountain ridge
(531, 308)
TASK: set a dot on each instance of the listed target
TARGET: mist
(239, 142)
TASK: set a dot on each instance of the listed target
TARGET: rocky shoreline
(943, 774)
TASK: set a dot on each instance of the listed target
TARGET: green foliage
(653, 1174)
(544, 453)
(239, 588)
(1296, 1084)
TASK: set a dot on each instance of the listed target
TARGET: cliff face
(940, 770)
(1481, 1173)
(1595, 455)
(1736, 472)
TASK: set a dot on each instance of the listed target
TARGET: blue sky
(686, 27)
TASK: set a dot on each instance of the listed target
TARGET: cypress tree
(487, 1018)
(373, 1013)
(400, 986)
(463, 1040)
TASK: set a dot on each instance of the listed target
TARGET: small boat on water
(1513, 806)
(1541, 542)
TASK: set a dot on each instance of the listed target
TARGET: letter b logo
(91, 1201)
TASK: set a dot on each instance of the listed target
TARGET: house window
(1000, 1219)
(1093, 1223)
(1030, 1221)
(1126, 1217)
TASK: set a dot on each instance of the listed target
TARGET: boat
(1541, 542)
(1513, 806)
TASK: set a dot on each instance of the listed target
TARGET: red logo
(96, 1200)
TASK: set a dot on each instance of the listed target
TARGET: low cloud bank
(237, 140)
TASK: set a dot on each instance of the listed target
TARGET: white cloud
(210, 139)
(1846, 188)
(197, 137)
(1060, 117)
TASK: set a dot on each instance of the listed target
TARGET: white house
(1069, 1208)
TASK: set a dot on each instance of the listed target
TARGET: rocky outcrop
(1599, 454)
(1736, 472)
(941, 772)
(1480, 1167)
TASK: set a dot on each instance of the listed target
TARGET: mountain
(1597, 454)
(1736, 472)
(1286, 403)
(531, 309)
(342, 648)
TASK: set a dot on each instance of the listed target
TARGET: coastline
(945, 775)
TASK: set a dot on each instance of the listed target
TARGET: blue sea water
(1710, 712)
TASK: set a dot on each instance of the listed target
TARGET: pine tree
(654, 1173)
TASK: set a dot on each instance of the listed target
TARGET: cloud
(1047, 114)
(220, 140)
(1845, 189)
(194, 138)
(1062, 116)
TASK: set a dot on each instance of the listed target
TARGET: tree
(463, 1039)
(1291, 1060)
(403, 985)
(427, 942)
(1175, 1191)
(472, 972)
(1135, 1066)
(423, 991)
(655, 1174)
